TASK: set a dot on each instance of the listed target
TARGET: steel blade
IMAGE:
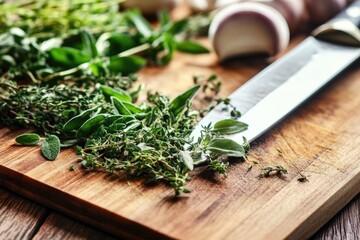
(290, 81)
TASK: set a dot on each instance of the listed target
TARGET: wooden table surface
(21, 218)
(24, 219)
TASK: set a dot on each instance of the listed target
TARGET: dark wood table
(23, 219)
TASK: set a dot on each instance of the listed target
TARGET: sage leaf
(126, 65)
(50, 148)
(133, 125)
(76, 122)
(187, 159)
(120, 107)
(167, 46)
(68, 143)
(117, 93)
(67, 57)
(110, 44)
(111, 119)
(28, 139)
(229, 126)
(90, 125)
(178, 27)
(226, 147)
(89, 46)
(191, 47)
(180, 102)
(133, 108)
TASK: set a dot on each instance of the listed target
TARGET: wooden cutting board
(321, 140)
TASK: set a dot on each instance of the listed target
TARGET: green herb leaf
(178, 27)
(120, 107)
(28, 139)
(117, 93)
(191, 47)
(110, 44)
(180, 102)
(67, 57)
(166, 47)
(164, 18)
(89, 46)
(50, 148)
(140, 23)
(68, 143)
(187, 159)
(226, 147)
(90, 126)
(229, 126)
(126, 65)
(133, 108)
(76, 122)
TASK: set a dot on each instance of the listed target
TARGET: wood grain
(58, 227)
(20, 218)
(321, 140)
(345, 225)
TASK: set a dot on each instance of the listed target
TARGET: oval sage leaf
(191, 47)
(226, 147)
(90, 125)
(229, 126)
(126, 65)
(50, 148)
(75, 123)
(120, 107)
(179, 103)
(117, 93)
(67, 57)
(28, 139)
(187, 159)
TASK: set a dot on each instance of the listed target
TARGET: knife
(285, 84)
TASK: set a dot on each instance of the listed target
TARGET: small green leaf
(68, 143)
(179, 103)
(88, 41)
(187, 159)
(126, 65)
(191, 47)
(28, 139)
(117, 93)
(110, 44)
(135, 93)
(50, 148)
(226, 147)
(112, 119)
(90, 125)
(67, 57)
(75, 123)
(120, 107)
(163, 18)
(166, 47)
(140, 23)
(178, 27)
(229, 126)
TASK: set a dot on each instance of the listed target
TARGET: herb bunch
(150, 140)
(70, 48)
(69, 77)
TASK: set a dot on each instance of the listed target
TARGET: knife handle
(344, 28)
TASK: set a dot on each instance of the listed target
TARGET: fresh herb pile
(71, 79)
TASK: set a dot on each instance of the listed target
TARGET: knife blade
(288, 82)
